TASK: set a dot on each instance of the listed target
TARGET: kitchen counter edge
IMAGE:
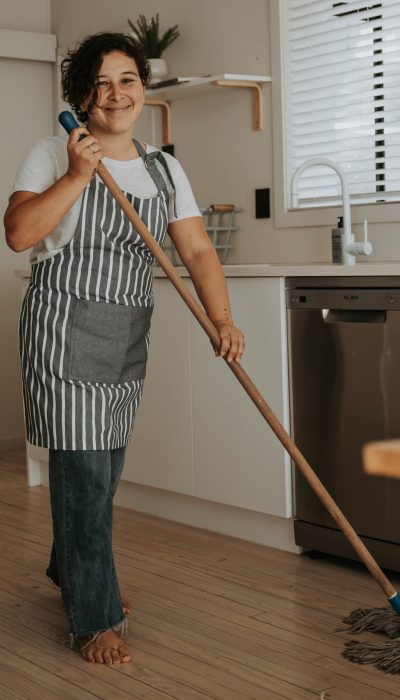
(294, 270)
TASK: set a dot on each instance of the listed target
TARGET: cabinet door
(160, 451)
(238, 459)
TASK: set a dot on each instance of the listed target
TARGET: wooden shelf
(161, 97)
(201, 86)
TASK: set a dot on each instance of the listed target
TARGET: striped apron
(85, 322)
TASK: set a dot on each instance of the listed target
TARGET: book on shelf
(170, 81)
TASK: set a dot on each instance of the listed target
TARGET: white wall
(25, 114)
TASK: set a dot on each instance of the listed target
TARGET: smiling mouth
(117, 109)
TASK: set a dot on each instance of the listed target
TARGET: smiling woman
(85, 319)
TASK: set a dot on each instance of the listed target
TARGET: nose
(115, 91)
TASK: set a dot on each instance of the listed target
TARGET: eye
(128, 80)
(101, 83)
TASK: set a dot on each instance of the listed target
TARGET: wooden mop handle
(287, 442)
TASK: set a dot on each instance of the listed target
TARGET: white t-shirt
(47, 161)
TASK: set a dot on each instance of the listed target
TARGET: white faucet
(349, 247)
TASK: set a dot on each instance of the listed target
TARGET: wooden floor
(214, 617)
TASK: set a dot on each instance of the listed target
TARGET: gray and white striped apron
(85, 322)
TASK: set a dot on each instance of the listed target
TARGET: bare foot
(126, 606)
(108, 648)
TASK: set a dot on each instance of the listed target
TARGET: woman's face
(120, 95)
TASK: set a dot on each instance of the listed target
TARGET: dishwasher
(344, 369)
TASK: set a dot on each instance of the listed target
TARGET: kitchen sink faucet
(349, 247)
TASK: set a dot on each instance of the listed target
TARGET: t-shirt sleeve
(185, 202)
(38, 170)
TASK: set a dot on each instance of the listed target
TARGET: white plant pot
(159, 69)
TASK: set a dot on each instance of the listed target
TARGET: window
(340, 74)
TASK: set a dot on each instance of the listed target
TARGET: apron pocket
(108, 342)
(134, 366)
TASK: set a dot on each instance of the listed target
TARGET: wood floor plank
(7, 691)
(350, 674)
(231, 674)
(246, 632)
(50, 656)
(268, 663)
(59, 687)
(28, 686)
(227, 592)
(100, 680)
(175, 596)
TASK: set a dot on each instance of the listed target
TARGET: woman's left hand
(232, 341)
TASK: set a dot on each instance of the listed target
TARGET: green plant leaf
(147, 33)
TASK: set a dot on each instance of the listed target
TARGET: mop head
(384, 655)
(384, 620)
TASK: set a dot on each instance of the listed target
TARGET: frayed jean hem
(121, 627)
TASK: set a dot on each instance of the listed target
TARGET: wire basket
(220, 225)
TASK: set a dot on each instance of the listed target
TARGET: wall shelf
(194, 87)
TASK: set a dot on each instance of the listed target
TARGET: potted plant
(147, 33)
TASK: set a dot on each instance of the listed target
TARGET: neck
(116, 146)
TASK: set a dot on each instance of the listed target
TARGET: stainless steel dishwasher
(344, 350)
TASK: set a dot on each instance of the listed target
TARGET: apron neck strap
(148, 159)
(140, 149)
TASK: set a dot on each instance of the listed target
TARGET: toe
(116, 659)
(124, 653)
(98, 656)
(107, 656)
(88, 655)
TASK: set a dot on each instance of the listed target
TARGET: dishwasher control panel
(362, 299)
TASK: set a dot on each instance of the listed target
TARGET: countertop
(303, 270)
(362, 269)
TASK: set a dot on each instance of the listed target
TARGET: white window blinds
(342, 97)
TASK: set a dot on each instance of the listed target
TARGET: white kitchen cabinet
(238, 459)
(197, 431)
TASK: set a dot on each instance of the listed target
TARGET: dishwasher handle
(353, 316)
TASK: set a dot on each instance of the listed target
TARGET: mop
(386, 656)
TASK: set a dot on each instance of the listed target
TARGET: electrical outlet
(262, 204)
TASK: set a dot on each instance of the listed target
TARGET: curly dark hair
(81, 66)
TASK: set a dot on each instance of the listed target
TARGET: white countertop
(363, 269)
(381, 269)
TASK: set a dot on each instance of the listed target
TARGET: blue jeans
(82, 488)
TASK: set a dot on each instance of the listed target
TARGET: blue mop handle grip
(394, 601)
(68, 121)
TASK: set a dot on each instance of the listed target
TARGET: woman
(85, 320)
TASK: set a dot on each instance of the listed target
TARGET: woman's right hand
(83, 156)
